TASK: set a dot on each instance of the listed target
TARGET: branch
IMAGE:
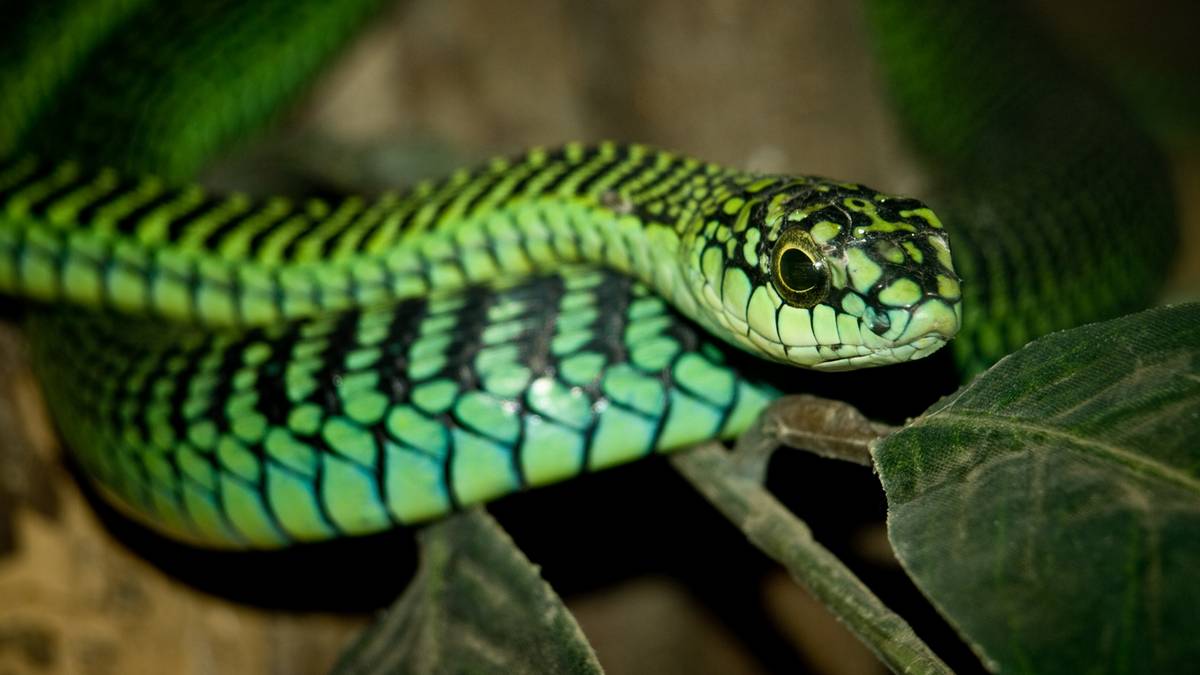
(778, 533)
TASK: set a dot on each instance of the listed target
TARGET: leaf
(1051, 508)
(476, 605)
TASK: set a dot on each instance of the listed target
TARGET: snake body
(365, 419)
(329, 421)
(1059, 204)
(256, 372)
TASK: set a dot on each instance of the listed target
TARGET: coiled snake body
(253, 373)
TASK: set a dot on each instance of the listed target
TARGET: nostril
(878, 322)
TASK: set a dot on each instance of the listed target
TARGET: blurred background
(658, 581)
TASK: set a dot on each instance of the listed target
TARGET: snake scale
(257, 372)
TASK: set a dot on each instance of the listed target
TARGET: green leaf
(476, 605)
(1051, 508)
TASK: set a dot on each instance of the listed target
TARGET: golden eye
(800, 274)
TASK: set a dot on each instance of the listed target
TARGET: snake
(258, 372)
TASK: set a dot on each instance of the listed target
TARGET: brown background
(770, 85)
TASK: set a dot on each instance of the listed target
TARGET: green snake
(258, 372)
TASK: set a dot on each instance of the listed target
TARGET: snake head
(829, 275)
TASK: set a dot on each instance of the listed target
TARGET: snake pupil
(798, 272)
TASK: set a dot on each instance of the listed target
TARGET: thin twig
(778, 533)
(822, 426)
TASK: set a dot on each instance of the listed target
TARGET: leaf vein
(1138, 463)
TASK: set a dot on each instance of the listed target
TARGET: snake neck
(99, 239)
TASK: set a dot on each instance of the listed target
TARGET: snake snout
(932, 318)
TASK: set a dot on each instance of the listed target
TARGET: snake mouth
(912, 350)
(934, 318)
(926, 329)
(918, 332)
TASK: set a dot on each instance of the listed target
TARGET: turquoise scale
(320, 429)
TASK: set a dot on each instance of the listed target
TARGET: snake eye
(801, 277)
(798, 272)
